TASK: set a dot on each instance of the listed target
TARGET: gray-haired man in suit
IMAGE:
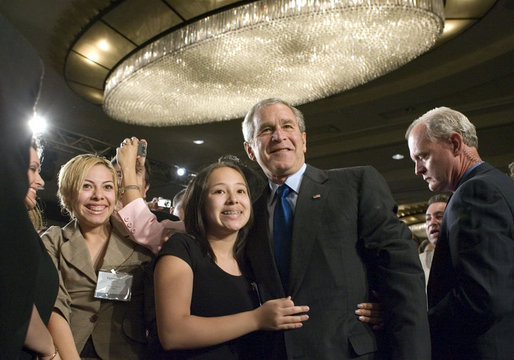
(471, 285)
(346, 239)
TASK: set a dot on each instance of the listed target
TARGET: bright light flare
(38, 124)
(103, 45)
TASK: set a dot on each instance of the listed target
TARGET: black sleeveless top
(215, 293)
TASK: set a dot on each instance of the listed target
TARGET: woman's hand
(54, 356)
(170, 228)
(280, 314)
(371, 313)
(126, 154)
(153, 205)
(132, 166)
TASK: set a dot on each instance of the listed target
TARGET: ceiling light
(300, 50)
(181, 171)
(398, 156)
(198, 142)
(103, 45)
(92, 56)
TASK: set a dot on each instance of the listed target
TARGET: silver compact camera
(165, 203)
(141, 149)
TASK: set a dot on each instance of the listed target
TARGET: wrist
(126, 188)
(256, 317)
(129, 177)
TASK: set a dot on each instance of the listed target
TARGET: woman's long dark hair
(195, 218)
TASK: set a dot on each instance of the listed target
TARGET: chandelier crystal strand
(300, 50)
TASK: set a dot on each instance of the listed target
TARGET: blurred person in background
(433, 218)
(178, 204)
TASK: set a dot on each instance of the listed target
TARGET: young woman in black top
(205, 305)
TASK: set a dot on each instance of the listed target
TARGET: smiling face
(436, 160)
(433, 219)
(94, 203)
(35, 180)
(227, 203)
(278, 144)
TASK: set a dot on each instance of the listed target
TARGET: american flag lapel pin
(317, 196)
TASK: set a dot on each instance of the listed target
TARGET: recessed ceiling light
(398, 156)
(181, 171)
(92, 56)
(103, 45)
(198, 142)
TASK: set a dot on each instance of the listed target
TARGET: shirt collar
(468, 171)
(294, 181)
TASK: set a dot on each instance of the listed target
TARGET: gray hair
(441, 122)
(249, 126)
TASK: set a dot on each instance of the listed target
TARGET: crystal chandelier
(299, 50)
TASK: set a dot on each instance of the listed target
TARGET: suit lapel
(119, 248)
(307, 220)
(75, 251)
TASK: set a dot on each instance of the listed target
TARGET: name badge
(114, 286)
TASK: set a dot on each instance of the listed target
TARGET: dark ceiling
(472, 73)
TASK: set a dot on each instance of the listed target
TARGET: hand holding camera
(131, 156)
(159, 203)
(164, 203)
(132, 151)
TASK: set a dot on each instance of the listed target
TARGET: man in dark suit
(471, 286)
(346, 240)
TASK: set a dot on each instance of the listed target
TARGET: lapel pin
(317, 196)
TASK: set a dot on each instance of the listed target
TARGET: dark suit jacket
(347, 240)
(471, 286)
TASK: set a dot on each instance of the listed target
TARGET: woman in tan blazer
(100, 307)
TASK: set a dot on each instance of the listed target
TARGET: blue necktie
(282, 230)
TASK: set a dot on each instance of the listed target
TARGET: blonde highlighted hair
(73, 174)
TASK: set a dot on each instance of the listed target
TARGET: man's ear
(249, 151)
(456, 142)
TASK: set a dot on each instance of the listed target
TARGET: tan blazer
(117, 328)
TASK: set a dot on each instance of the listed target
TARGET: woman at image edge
(207, 262)
(38, 339)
